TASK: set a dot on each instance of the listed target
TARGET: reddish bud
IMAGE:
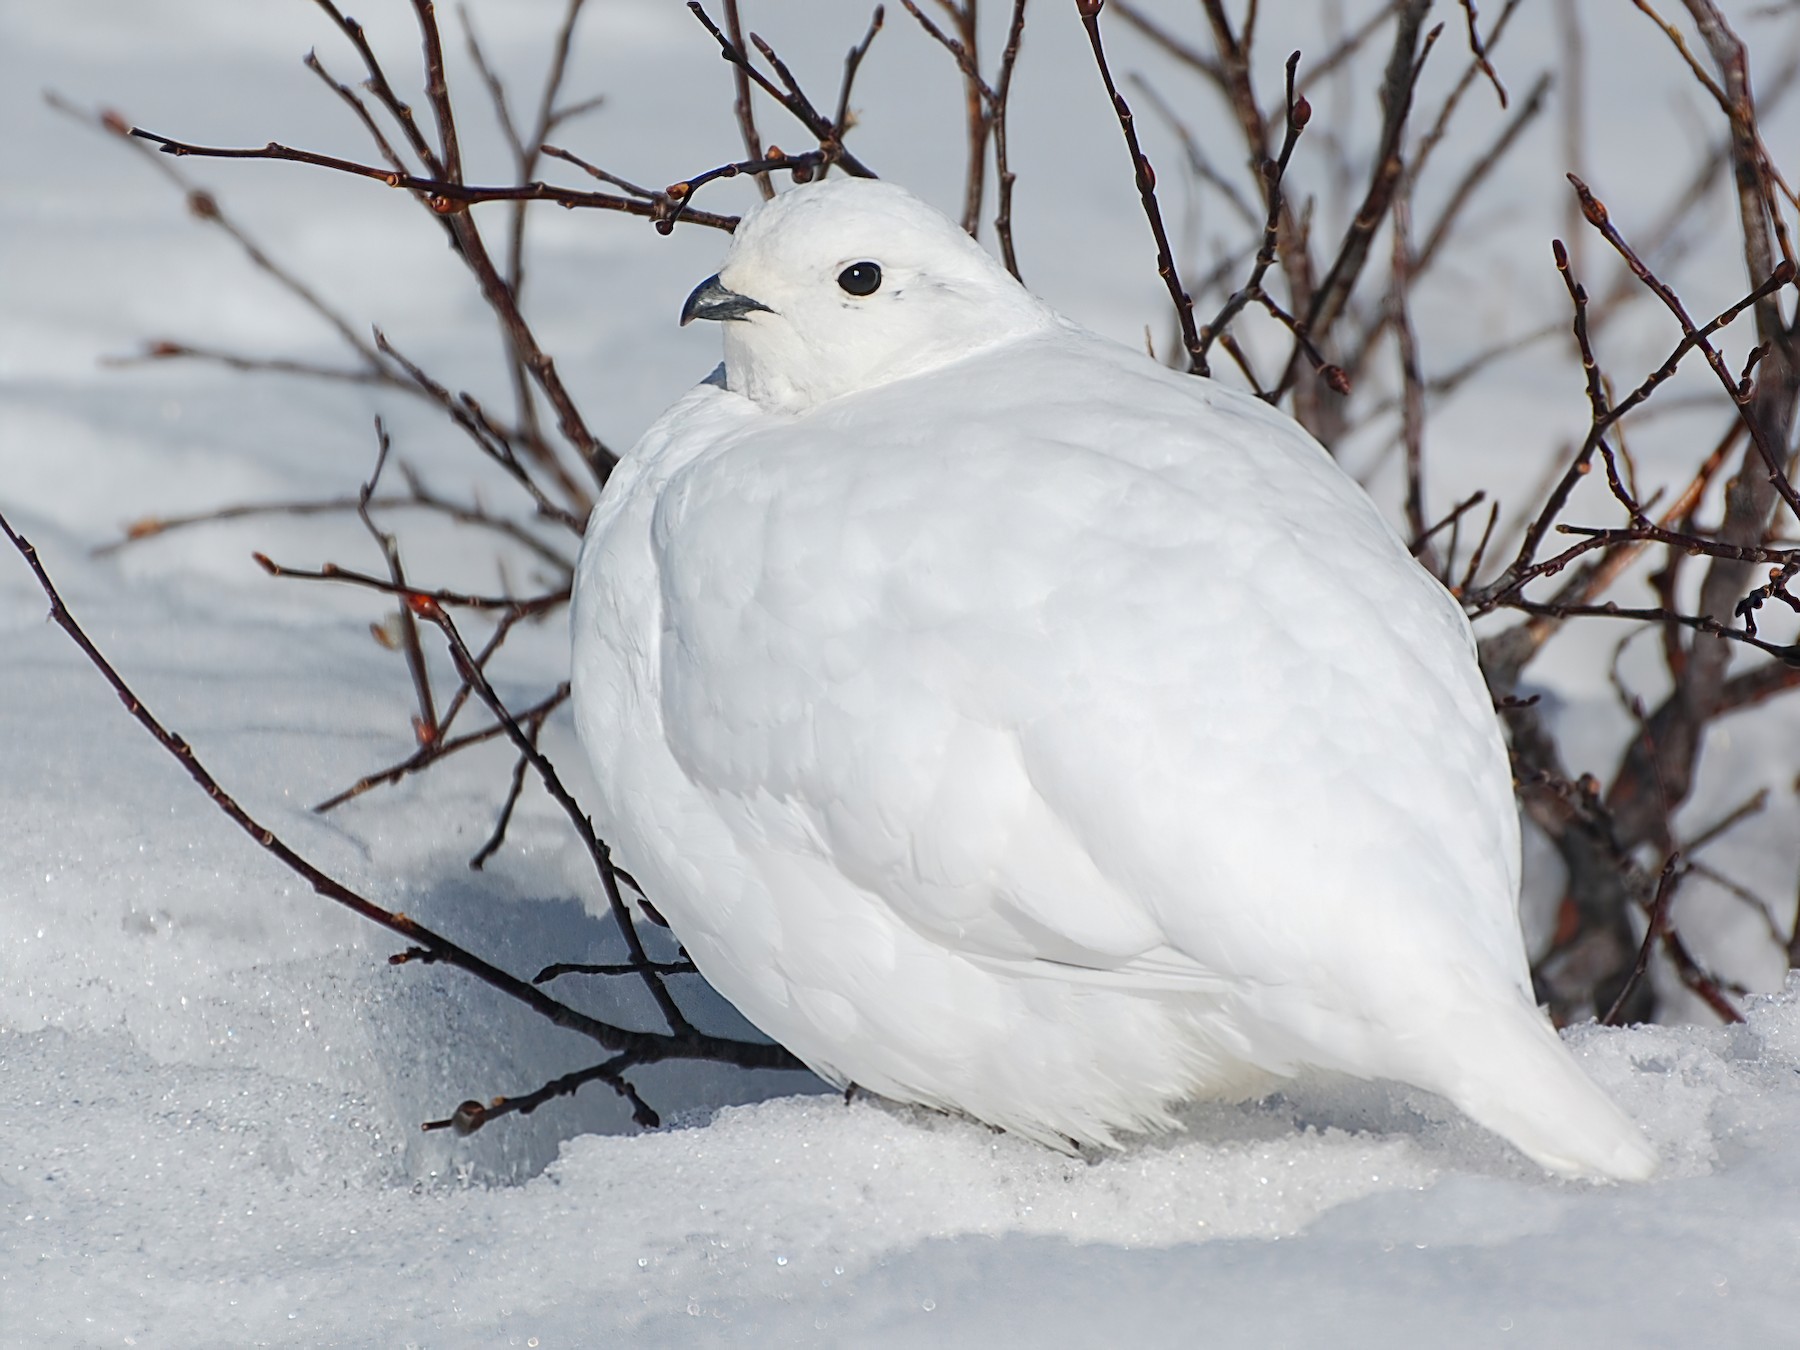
(1561, 255)
(1335, 379)
(468, 1118)
(115, 122)
(1089, 9)
(203, 205)
(1146, 173)
(1302, 113)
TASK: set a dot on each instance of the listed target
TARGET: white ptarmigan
(1008, 724)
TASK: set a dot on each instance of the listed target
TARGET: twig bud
(1089, 9)
(1591, 206)
(203, 205)
(1301, 115)
(425, 606)
(1561, 255)
(468, 1118)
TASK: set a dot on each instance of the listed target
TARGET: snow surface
(210, 1080)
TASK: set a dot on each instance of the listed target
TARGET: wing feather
(1015, 671)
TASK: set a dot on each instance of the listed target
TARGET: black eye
(863, 278)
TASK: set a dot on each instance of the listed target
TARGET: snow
(211, 1081)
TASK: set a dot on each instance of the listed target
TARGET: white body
(1037, 733)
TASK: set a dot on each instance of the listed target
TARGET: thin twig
(1145, 176)
(647, 1047)
(1657, 927)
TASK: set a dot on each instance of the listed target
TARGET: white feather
(1009, 724)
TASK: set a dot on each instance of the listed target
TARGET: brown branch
(332, 572)
(205, 207)
(1480, 52)
(1697, 980)
(165, 349)
(466, 413)
(1201, 167)
(665, 208)
(1145, 175)
(1406, 61)
(1754, 805)
(1772, 452)
(383, 90)
(1749, 898)
(1702, 623)
(853, 60)
(561, 968)
(977, 98)
(746, 114)
(442, 195)
(1666, 882)
(428, 608)
(1412, 380)
(443, 745)
(472, 1115)
(1440, 124)
(533, 727)
(1299, 113)
(647, 1047)
(528, 151)
(419, 499)
(1003, 172)
(1605, 414)
(788, 94)
(425, 724)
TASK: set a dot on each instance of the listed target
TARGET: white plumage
(1008, 724)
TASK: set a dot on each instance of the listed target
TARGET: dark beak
(712, 300)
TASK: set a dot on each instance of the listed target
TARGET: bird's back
(1052, 675)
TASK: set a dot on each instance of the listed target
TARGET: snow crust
(211, 1081)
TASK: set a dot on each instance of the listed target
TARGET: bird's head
(849, 283)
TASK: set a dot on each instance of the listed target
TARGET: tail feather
(1514, 1075)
